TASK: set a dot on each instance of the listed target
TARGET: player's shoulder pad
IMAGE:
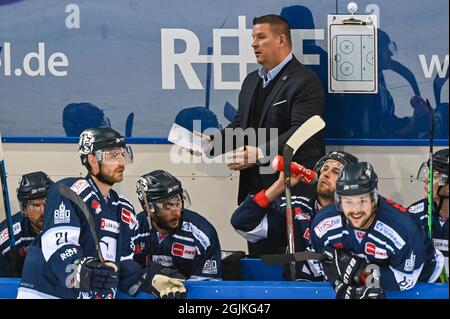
(418, 207)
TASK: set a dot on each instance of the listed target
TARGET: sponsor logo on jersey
(166, 261)
(198, 234)
(108, 246)
(79, 186)
(389, 233)
(61, 215)
(328, 224)
(410, 262)
(17, 228)
(129, 218)
(68, 253)
(442, 221)
(210, 267)
(96, 205)
(4, 235)
(299, 215)
(306, 234)
(417, 208)
(109, 225)
(183, 251)
(378, 252)
(440, 244)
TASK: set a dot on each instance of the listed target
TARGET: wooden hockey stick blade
(287, 258)
(305, 132)
(74, 198)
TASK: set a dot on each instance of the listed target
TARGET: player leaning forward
(371, 242)
(63, 261)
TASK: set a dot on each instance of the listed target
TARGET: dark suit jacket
(295, 97)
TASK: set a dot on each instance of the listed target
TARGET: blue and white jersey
(394, 242)
(256, 223)
(439, 226)
(193, 249)
(23, 236)
(49, 271)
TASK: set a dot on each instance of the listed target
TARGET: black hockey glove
(344, 291)
(165, 283)
(93, 275)
(342, 266)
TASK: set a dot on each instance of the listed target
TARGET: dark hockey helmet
(440, 162)
(160, 185)
(356, 179)
(339, 156)
(93, 140)
(33, 186)
(440, 165)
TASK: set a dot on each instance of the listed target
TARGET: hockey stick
(74, 198)
(300, 136)
(430, 172)
(289, 258)
(5, 195)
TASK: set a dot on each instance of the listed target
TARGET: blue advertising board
(138, 65)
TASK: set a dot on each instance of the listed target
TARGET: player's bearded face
(169, 215)
(358, 210)
(35, 212)
(327, 179)
(112, 172)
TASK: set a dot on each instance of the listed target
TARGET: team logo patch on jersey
(96, 205)
(166, 261)
(129, 218)
(79, 186)
(210, 267)
(4, 236)
(378, 252)
(183, 251)
(109, 225)
(161, 236)
(17, 228)
(61, 215)
(410, 262)
(390, 233)
(417, 208)
(108, 246)
(328, 224)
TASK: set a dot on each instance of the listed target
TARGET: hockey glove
(97, 276)
(344, 291)
(166, 283)
(342, 266)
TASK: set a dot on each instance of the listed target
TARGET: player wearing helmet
(27, 224)
(371, 244)
(64, 261)
(419, 210)
(175, 236)
(262, 217)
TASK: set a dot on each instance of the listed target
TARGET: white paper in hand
(186, 139)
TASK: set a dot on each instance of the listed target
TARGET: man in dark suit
(282, 94)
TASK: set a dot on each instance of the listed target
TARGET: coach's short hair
(277, 23)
